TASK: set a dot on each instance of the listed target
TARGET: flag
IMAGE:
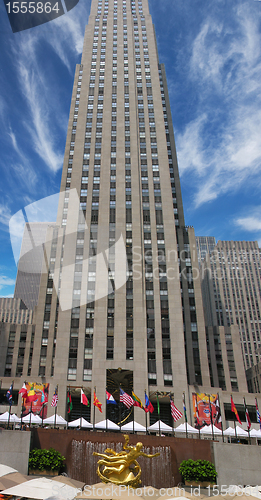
(218, 417)
(247, 416)
(148, 405)
(137, 401)
(9, 395)
(258, 415)
(42, 397)
(110, 398)
(23, 391)
(233, 408)
(126, 399)
(184, 408)
(84, 399)
(55, 397)
(69, 402)
(96, 402)
(31, 394)
(175, 413)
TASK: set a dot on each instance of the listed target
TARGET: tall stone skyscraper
(119, 304)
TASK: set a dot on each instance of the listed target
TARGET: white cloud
(5, 281)
(251, 222)
(222, 149)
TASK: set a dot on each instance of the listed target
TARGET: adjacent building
(205, 245)
(31, 262)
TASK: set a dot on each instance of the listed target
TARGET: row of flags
(248, 421)
(126, 399)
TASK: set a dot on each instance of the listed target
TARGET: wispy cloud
(221, 147)
(5, 281)
(5, 215)
(23, 169)
(65, 36)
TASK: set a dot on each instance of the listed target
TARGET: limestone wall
(14, 449)
(237, 464)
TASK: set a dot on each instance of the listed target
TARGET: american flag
(175, 413)
(55, 397)
(126, 399)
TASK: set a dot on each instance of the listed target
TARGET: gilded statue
(119, 468)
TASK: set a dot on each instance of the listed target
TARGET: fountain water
(157, 472)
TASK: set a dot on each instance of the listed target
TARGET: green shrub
(45, 459)
(198, 470)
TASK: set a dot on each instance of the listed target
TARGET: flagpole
(9, 416)
(234, 420)
(185, 412)
(248, 428)
(21, 414)
(68, 402)
(197, 415)
(81, 411)
(94, 412)
(211, 419)
(133, 421)
(146, 414)
(106, 409)
(221, 418)
(158, 405)
(173, 421)
(30, 415)
(120, 407)
(42, 413)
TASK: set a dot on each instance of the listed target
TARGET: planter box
(36, 472)
(202, 484)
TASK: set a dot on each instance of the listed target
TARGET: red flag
(23, 391)
(84, 399)
(96, 402)
(233, 408)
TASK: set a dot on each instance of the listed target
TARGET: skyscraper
(111, 307)
(119, 299)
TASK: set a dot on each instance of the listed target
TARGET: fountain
(119, 468)
(83, 464)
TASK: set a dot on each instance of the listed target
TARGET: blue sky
(212, 53)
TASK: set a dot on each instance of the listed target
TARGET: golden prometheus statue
(119, 468)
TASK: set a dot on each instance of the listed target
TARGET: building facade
(205, 245)
(120, 301)
(231, 290)
(113, 307)
(30, 263)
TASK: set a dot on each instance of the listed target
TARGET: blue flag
(110, 398)
(9, 395)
